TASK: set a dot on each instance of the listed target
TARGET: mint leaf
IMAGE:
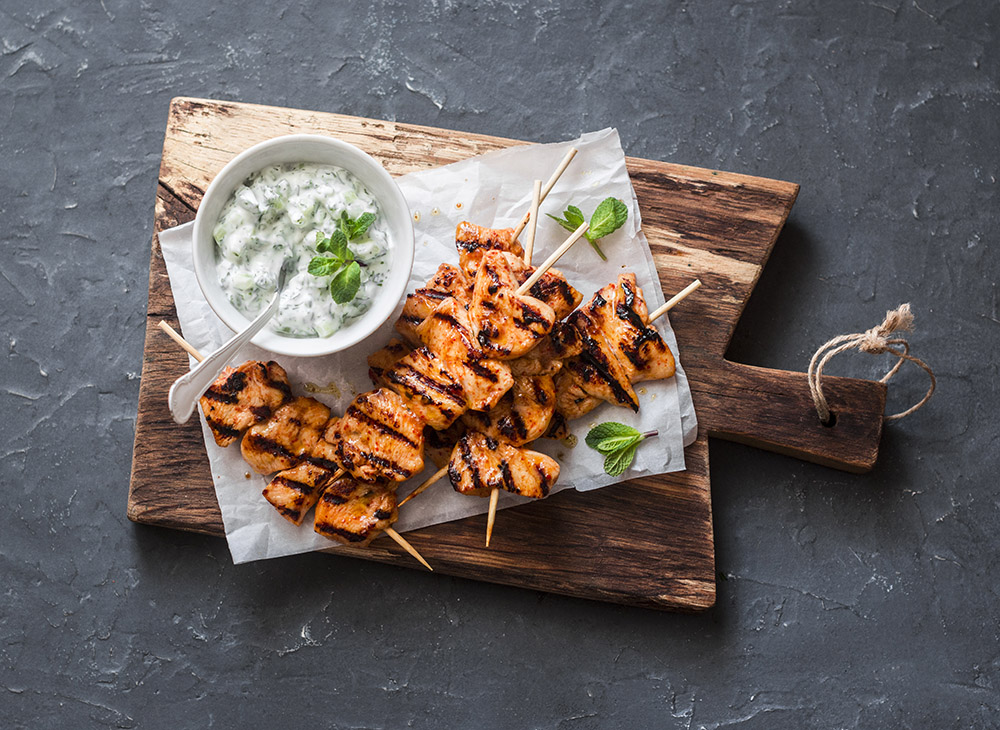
(574, 216)
(617, 443)
(344, 286)
(571, 220)
(338, 246)
(616, 463)
(324, 265)
(361, 225)
(610, 215)
(345, 223)
(609, 430)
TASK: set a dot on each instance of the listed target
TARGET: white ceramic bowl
(319, 150)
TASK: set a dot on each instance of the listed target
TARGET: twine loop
(877, 341)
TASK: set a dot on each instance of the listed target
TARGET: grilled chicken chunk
(449, 281)
(507, 324)
(378, 437)
(294, 491)
(428, 385)
(354, 512)
(479, 464)
(616, 316)
(448, 334)
(522, 415)
(473, 241)
(553, 289)
(596, 372)
(280, 441)
(621, 308)
(243, 396)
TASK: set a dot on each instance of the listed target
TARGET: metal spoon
(188, 388)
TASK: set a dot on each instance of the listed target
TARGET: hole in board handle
(831, 421)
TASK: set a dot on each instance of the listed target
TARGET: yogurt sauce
(273, 218)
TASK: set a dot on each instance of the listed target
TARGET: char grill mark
(221, 429)
(262, 443)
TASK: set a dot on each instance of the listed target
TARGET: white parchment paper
(492, 189)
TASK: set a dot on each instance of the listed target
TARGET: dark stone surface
(846, 601)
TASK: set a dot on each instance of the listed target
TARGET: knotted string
(877, 340)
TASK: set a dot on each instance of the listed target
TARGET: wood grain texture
(647, 542)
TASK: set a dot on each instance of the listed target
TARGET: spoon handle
(187, 389)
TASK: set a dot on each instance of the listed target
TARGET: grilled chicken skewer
(565, 344)
(620, 347)
(509, 322)
(365, 510)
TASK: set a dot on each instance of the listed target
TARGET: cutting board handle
(772, 409)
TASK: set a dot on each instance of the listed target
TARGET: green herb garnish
(610, 215)
(618, 443)
(340, 263)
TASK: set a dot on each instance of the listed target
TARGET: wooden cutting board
(647, 542)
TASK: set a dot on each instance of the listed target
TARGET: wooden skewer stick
(432, 479)
(536, 199)
(491, 516)
(175, 336)
(675, 300)
(401, 541)
(546, 189)
(551, 260)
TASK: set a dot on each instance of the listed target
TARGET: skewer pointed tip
(491, 517)
(402, 542)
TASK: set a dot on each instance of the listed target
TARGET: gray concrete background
(844, 601)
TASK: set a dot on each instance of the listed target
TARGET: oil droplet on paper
(416, 216)
(330, 388)
(458, 205)
(435, 211)
(570, 441)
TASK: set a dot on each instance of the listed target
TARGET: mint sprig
(339, 262)
(618, 443)
(609, 216)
